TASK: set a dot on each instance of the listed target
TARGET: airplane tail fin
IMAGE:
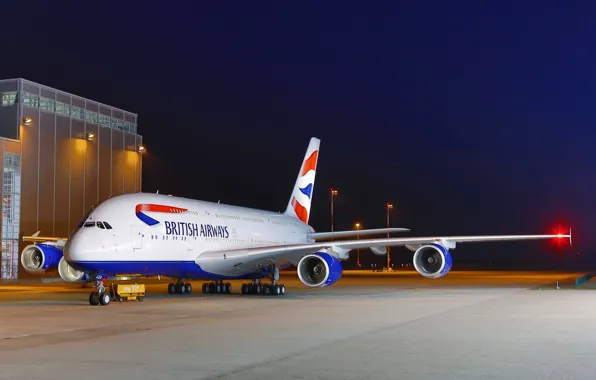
(299, 204)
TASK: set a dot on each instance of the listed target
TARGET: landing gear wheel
(188, 287)
(276, 290)
(93, 299)
(282, 290)
(171, 288)
(243, 289)
(104, 299)
(205, 288)
(228, 288)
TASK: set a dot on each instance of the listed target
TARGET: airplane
(150, 234)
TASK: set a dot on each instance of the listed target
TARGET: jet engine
(319, 270)
(432, 261)
(40, 257)
(70, 274)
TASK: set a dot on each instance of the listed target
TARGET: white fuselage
(154, 234)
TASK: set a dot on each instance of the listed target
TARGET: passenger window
(89, 224)
(107, 225)
(100, 225)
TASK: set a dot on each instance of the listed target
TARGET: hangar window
(76, 112)
(9, 98)
(62, 109)
(11, 203)
(104, 120)
(92, 117)
(30, 100)
(46, 104)
(120, 124)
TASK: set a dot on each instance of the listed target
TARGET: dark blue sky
(472, 118)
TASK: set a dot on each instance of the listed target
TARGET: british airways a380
(160, 235)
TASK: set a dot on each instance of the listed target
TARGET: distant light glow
(560, 233)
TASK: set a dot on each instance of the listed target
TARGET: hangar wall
(64, 155)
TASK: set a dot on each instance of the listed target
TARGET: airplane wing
(341, 234)
(35, 238)
(239, 261)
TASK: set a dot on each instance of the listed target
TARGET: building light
(27, 120)
(90, 136)
(141, 149)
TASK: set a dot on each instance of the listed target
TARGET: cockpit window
(107, 225)
(100, 225)
(89, 224)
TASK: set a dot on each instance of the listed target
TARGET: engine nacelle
(70, 274)
(40, 257)
(319, 270)
(432, 261)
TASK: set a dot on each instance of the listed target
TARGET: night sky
(474, 118)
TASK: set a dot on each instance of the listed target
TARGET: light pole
(389, 208)
(357, 226)
(333, 194)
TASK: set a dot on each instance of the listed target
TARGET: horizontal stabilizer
(340, 234)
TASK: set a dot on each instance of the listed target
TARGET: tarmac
(467, 325)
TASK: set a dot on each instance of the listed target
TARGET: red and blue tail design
(299, 205)
(155, 208)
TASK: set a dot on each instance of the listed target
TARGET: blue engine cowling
(432, 261)
(40, 257)
(319, 270)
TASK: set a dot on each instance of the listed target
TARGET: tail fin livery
(299, 204)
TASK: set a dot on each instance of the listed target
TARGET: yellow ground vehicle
(127, 292)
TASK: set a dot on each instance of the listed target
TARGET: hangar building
(61, 155)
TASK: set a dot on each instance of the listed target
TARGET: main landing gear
(273, 289)
(256, 287)
(217, 287)
(180, 288)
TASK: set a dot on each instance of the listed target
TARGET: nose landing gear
(100, 296)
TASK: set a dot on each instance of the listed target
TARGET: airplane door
(136, 237)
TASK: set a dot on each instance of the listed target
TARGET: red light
(561, 239)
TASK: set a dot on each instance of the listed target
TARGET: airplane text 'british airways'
(196, 230)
